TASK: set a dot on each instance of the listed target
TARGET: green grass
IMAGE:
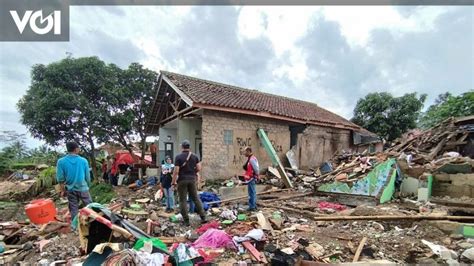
(19, 166)
(102, 193)
(46, 178)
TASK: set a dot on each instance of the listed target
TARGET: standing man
(153, 153)
(185, 177)
(165, 181)
(251, 176)
(73, 175)
(104, 170)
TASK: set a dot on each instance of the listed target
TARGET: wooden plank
(291, 196)
(393, 217)
(255, 253)
(273, 155)
(245, 197)
(359, 249)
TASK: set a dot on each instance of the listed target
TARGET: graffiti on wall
(277, 147)
(242, 143)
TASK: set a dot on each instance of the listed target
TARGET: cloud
(327, 55)
(432, 61)
(207, 44)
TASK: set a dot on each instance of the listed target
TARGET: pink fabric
(324, 205)
(214, 238)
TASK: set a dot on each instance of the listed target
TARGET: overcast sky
(331, 56)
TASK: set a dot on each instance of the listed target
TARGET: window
(228, 137)
(371, 148)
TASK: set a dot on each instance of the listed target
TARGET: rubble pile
(429, 144)
(311, 222)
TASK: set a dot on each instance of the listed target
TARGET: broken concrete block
(465, 245)
(469, 254)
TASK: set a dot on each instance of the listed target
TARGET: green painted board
(430, 185)
(389, 189)
(468, 231)
(273, 155)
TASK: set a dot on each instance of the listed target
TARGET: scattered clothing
(214, 238)
(324, 205)
(214, 224)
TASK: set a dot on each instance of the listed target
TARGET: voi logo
(36, 21)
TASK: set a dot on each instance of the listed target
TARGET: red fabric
(124, 157)
(249, 173)
(212, 224)
(104, 167)
(324, 205)
(153, 148)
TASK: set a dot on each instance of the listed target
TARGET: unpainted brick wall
(318, 144)
(222, 161)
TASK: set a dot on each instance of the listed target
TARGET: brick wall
(318, 144)
(220, 160)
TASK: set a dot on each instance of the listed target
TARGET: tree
(67, 101)
(88, 101)
(127, 115)
(447, 105)
(388, 116)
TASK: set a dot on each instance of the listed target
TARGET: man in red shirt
(153, 153)
(252, 170)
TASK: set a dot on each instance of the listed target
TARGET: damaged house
(221, 120)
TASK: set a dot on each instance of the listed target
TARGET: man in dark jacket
(185, 177)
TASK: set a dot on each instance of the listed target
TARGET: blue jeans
(169, 194)
(74, 199)
(252, 190)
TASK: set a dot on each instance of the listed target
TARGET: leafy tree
(388, 116)
(9, 136)
(447, 105)
(67, 101)
(43, 154)
(88, 101)
(127, 115)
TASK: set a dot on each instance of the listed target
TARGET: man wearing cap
(73, 175)
(185, 176)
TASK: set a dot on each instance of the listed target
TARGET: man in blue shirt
(73, 174)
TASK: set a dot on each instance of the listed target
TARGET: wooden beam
(359, 249)
(245, 197)
(178, 91)
(393, 217)
(273, 155)
(182, 112)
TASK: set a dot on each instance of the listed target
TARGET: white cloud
(357, 22)
(328, 55)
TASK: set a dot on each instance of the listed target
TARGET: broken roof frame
(171, 102)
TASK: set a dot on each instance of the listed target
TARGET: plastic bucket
(41, 211)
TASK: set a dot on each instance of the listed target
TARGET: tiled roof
(217, 94)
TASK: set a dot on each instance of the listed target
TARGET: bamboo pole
(359, 249)
(393, 217)
(244, 197)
